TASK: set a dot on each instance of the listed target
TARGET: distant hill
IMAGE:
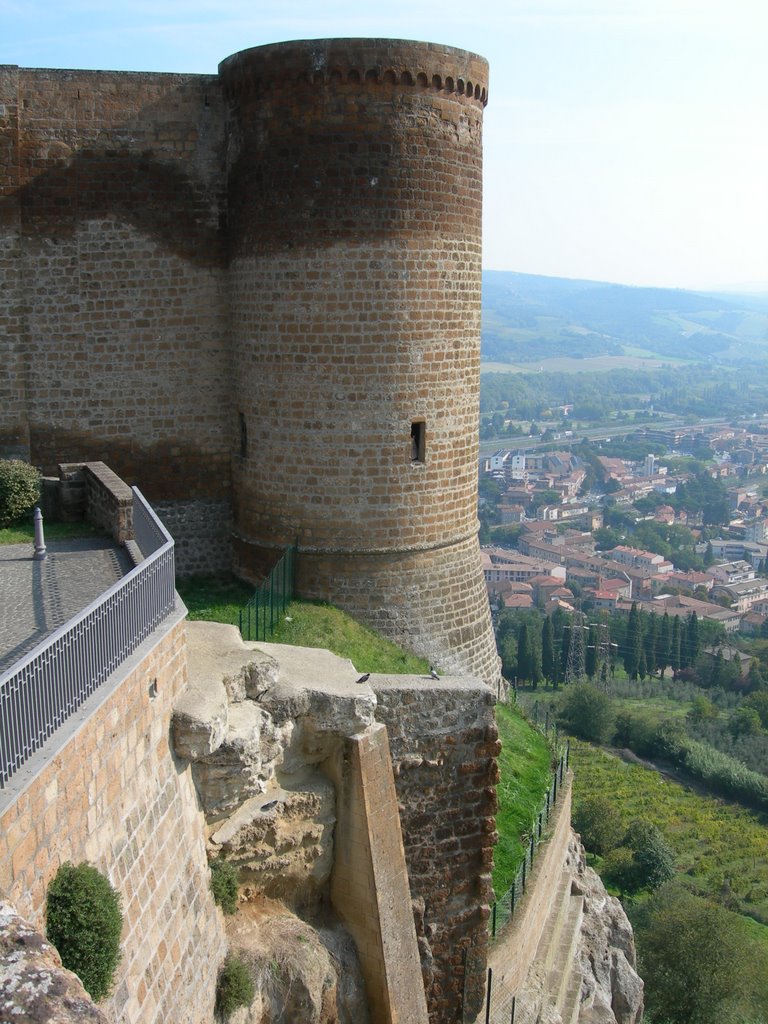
(527, 319)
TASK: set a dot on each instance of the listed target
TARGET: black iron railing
(267, 606)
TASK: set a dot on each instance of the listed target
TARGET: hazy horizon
(623, 139)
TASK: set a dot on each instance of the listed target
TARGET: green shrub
(224, 885)
(588, 712)
(19, 489)
(599, 822)
(618, 869)
(234, 988)
(83, 921)
(643, 861)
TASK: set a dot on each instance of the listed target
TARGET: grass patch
(321, 625)
(24, 533)
(306, 624)
(525, 765)
(719, 846)
(214, 598)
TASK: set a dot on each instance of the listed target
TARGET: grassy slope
(306, 625)
(525, 764)
(716, 843)
(214, 598)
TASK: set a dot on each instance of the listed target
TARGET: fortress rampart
(257, 295)
(109, 791)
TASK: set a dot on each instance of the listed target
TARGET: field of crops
(720, 847)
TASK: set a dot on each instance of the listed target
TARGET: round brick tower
(355, 192)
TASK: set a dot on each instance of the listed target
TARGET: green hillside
(528, 319)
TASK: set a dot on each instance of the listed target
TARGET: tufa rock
(34, 987)
(282, 841)
(300, 973)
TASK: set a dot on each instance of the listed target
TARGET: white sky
(625, 140)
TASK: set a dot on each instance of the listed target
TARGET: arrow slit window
(418, 440)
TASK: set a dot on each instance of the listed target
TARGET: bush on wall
(84, 921)
(224, 885)
(235, 987)
(19, 489)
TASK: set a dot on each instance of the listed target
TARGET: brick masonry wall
(355, 193)
(14, 430)
(202, 530)
(115, 796)
(444, 745)
(248, 288)
(109, 501)
(110, 204)
(433, 601)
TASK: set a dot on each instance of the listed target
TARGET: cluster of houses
(556, 549)
(541, 572)
(527, 477)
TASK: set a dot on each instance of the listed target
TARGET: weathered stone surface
(319, 691)
(223, 670)
(240, 767)
(282, 841)
(301, 973)
(34, 987)
(612, 991)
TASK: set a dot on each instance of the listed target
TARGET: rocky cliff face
(257, 733)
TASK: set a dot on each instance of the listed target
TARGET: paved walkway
(38, 597)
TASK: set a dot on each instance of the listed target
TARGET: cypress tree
(548, 662)
(664, 645)
(633, 644)
(649, 644)
(691, 647)
(674, 657)
(527, 659)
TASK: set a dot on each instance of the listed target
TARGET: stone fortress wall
(257, 295)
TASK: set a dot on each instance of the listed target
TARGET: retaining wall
(444, 745)
(523, 932)
(108, 790)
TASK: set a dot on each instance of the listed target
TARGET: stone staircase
(558, 978)
(557, 951)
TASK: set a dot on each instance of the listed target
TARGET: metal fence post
(493, 921)
(488, 997)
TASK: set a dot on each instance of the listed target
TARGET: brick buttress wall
(114, 795)
(444, 745)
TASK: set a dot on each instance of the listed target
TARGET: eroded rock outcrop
(611, 990)
(257, 727)
(599, 982)
(302, 973)
(34, 987)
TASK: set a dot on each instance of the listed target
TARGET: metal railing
(504, 908)
(42, 690)
(262, 613)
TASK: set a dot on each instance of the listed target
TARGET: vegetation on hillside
(525, 766)
(721, 849)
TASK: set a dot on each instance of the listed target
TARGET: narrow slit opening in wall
(418, 440)
(243, 436)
